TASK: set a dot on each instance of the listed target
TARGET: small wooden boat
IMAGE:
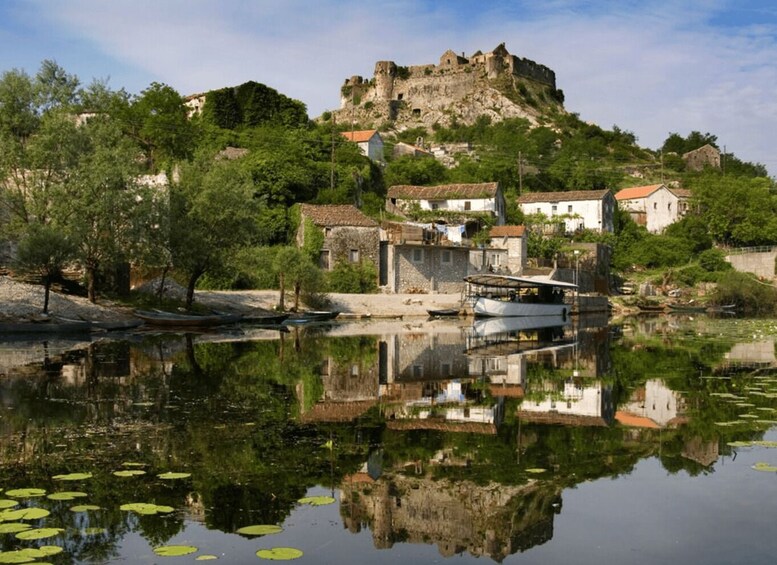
(444, 312)
(311, 316)
(174, 320)
(268, 319)
(46, 327)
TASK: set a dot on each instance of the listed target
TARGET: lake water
(650, 441)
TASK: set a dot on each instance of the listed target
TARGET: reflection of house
(573, 401)
(749, 356)
(462, 199)
(580, 209)
(456, 517)
(653, 206)
(369, 141)
(349, 235)
(653, 406)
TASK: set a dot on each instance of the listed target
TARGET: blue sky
(651, 67)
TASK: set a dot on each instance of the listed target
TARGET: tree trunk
(91, 276)
(161, 291)
(297, 292)
(190, 288)
(46, 291)
(281, 281)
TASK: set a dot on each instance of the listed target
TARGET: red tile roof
(329, 215)
(572, 195)
(634, 421)
(637, 192)
(507, 231)
(444, 191)
(359, 136)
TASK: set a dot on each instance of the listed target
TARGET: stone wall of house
(410, 273)
(342, 239)
(425, 356)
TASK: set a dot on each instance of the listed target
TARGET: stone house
(403, 149)
(683, 200)
(414, 267)
(654, 206)
(705, 156)
(579, 209)
(369, 141)
(464, 199)
(512, 240)
(349, 235)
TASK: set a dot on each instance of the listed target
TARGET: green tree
(44, 251)
(295, 267)
(213, 213)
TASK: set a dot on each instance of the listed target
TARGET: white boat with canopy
(508, 295)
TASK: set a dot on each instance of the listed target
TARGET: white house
(369, 141)
(580, 209)
(466, 199)
(654, 206)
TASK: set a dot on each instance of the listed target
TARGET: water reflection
(457, 435)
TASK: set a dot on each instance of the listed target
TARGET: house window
(495, 259)
(539, 210)
(418, 255)
(655, 205)
(569, 209)
(327, 232)
(353, 255)
(324, 260)
(467, 205)
(669, 206)
(416, 112)
(400, 96)
(446, 256)
(418, 371)
(435, 205)
(354, 370)
(553, 210)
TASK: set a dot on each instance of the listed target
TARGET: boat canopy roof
(510, 281)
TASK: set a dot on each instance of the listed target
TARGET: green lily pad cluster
(29, 554)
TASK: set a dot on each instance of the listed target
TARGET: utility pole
(332, 167)
(520, 173)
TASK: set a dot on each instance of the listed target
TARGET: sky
(652, 67)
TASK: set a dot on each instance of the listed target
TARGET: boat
(444, 312)
(174, 320)
(687, 307)
(508, 295)
(311, 316)
(46, 327)
(269, 319)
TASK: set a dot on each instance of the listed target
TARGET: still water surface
(439, 441)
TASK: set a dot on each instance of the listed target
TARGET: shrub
(748, 293)
(353, 278)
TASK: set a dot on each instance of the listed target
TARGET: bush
(353, 278)
(749, 294)
(713, 260)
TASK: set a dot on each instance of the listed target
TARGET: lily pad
(535, 471)
(146, 508)
(172, 476)
(761, 466)
(129, 473)
(280, 553)
(39, 533)
(13, 527)
(18, 556)
(317, 500)
(6, 503)
(84, 508)
(50, 550)
(93, 531)
(132, 464)
(206, 557)
(260, 530)
(25, 492)
(67, 495)
(174, 550)
(72, 477)
(33, 513)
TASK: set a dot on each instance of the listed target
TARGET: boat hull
(489, 307)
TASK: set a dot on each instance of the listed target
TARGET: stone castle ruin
(497, 84)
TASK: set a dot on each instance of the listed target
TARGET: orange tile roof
(507, 231)
(637, 192)
(454, 191)
(328, 215)
(562, 196)
(359, 136)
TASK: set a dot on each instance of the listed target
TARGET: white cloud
(649, 67)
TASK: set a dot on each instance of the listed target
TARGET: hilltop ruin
(458, 88)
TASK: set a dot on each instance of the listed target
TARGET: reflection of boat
(722, 309)
(268, 319)
(505, 336)
(173, 320)
(507, 295)
(311, 316)
(49, 326)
